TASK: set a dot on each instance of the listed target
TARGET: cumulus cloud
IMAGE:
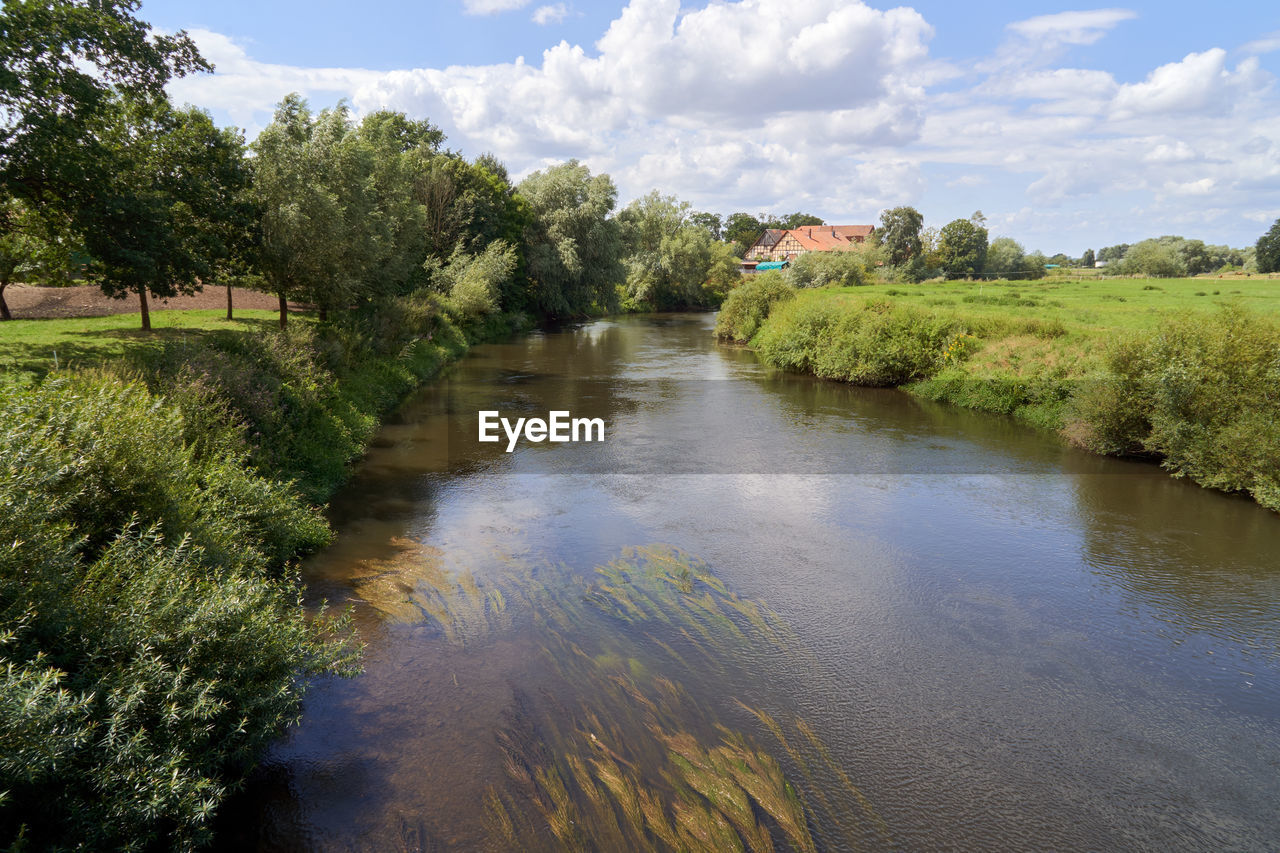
(1199, 83)
(248, 89)
(840, 110)
(545, 15)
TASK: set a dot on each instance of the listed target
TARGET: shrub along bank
(1200, 391)
(152, 639)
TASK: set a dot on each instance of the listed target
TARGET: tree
(64, 62)
(158, 223)
(962, 246)
(667, 257)
(1112, 253)
(1268, 249)
(1086, 260)
(799, 220)
(1153, 258)
(28, 247)
(899, 234)
(724, 273)
(1033, 265)
(573, 247)
(710, 222)
(301, 181)
(1005, 256)
(743, 229)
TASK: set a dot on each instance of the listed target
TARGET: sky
(1069, 126)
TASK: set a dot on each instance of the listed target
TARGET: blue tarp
(772, 265)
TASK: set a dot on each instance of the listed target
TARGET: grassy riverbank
(156, 490)
(1160, 368)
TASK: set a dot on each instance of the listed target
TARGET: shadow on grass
(53, 348)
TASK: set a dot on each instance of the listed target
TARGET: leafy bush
(874, 343)
(1202, 394)
(308, 399)
(150, 643)
(747, 306)
(821, 269)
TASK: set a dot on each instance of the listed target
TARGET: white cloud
(1269, 43)
(1071, 27)
(544, 15)
(248, 90)
(842, 111)
(1200, 83)
(492, 7)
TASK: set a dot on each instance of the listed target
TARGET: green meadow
(1186, 371)
(35, 347)
(1099, 305)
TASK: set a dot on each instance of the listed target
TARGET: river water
(774, 612)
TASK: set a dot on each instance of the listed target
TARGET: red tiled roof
(826, 238)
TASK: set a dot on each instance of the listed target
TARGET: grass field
(34, 347)
(1099, 305)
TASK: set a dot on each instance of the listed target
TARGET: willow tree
(317, 237)
(573, 247)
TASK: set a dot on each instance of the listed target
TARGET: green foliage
(742, 229)
(822, 269)
(1005, 256)
(1204, 395)
(872, 343)
(709, 222)
(724, 273)
(573, 247)
(163, 221)
(111, 454)
(1268, 249)
(747, 306)
(31, 248)
(1087, 259)
(962, 248)
(1152, 258)
(308, 400)
(63, 62)
(475, 282)
(149, 646)
(669, 260)
(899, 234)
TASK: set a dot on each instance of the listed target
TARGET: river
(771, 610)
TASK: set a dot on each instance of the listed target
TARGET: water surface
(778, 612)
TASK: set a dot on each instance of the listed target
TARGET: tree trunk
(146, 313)
(284, 312)
(229, 317)
(4, 306)
(324, 314)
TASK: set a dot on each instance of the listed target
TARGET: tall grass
(1200, 392)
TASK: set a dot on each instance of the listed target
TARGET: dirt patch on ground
(30, 303)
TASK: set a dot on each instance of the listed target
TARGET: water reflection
(936, 628)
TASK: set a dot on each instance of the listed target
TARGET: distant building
(762, 248)
(776, 245)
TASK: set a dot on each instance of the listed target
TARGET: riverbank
(1136, 369)
(158, 489)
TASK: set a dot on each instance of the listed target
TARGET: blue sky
(1069, 125)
